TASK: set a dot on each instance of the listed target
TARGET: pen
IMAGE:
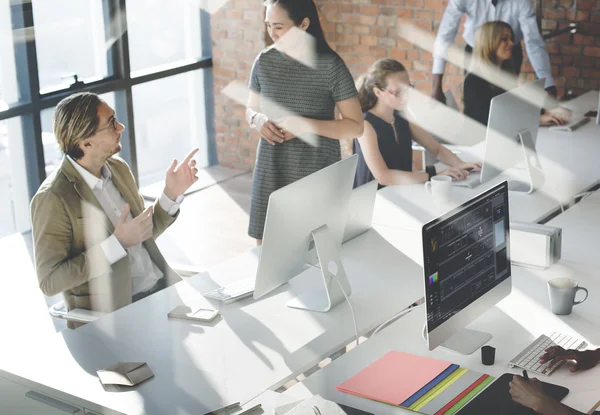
(249, 410)
(224, 409)
(525, 375)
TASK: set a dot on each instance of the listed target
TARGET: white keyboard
(472, 180)
(529, 358)
(573, 125)
(233, 292)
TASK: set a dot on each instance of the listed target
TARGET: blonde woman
(493, 50)
(385, 148)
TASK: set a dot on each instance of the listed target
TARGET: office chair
(79, 315)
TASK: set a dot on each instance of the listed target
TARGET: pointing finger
(189, 156)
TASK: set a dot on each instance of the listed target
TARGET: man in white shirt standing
(519, 14)
(93, 239)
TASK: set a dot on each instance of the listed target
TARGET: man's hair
(75, 119)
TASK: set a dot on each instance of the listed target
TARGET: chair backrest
(450, 101)
(77, 315)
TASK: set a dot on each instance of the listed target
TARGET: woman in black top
(385, 148)
(491, 55)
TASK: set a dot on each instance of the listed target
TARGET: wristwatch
(431, 171)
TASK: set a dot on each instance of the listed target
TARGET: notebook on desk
(420, 384)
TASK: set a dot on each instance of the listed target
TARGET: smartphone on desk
(200, 314)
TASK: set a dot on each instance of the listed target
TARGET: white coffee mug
(440, 187)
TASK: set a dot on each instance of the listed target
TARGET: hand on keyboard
(584, 360)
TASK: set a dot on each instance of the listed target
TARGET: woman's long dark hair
(297, 10)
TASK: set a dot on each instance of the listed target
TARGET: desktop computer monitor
(313, 208)
(512, 133)
(466, 264)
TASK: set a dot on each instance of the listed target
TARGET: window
(64, 26)
(9, 38)
(14, 199)
(170, 120)
(158, 79)
(162, 33)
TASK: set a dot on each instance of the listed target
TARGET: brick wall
(238, 35)
(362, 31)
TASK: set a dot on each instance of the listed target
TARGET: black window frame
(120, 83)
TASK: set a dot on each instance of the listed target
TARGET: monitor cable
(394, 317)
(351, 308)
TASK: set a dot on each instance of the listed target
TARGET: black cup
(488, 355)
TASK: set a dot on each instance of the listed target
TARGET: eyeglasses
(400, 91)
(114, 124)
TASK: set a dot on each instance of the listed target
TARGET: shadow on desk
(176, 384)
(583, 319)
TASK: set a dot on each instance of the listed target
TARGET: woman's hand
(583, 360)
(268, 129)
(548, 118)
(294, 126)
(474, 166)
(528, 392)
(454, 172)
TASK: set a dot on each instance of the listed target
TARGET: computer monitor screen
(513, 113)
(465, 258)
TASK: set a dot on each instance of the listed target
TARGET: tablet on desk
(193, 313)
(496, 399)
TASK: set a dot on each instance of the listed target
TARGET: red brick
(368, 20)
(351, 18)
(571, 50)
(591, 51)
(583, 40)
(435, 5)
(415, 4)
(586, 4)
(553, 14)
(404, 44)
(361, 29)
(405, 13)
(570, 72)
(368, 40)
(397, 54)
(591, 73)
(412, 54)
(388, 11)
(423, 15)
(369, 11)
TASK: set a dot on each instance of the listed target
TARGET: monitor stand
(466, 341)
(331, 269)
(533, 169)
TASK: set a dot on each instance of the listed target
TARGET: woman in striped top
(295, 86)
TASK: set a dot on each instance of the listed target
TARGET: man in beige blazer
(93, 240)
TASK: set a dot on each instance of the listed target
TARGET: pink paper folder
(394, 378)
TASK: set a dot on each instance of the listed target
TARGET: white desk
(514, 323)
(570, 162)
(254, 346)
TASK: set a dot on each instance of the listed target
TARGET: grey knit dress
(287, 87)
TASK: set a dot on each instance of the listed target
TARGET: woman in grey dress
(296, 96)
